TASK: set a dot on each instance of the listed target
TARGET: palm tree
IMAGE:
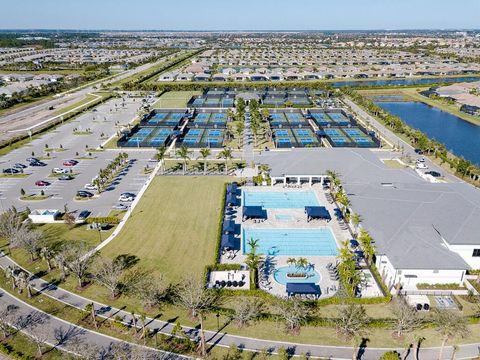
(356, 220)
(334, 180)
(449, 325)
(291, 261)
(264, 170)
(47, 254)
(226, 154)
(204, 154)
(366, 241)
(253, 259)
(302, 263)
(184, 154)
(160, 156)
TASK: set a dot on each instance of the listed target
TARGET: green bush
(390, 355)
(103, 220)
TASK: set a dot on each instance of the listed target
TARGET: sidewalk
(225, 339)
(61, 334)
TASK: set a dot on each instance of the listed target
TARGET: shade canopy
(228, 226)
(254, 212)
(303, 288)
(232, 200)
(230, 242)
(317, 212)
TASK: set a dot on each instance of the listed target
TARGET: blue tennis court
(280, 200)
(292, 242)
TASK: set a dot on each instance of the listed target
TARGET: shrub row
(103, 220)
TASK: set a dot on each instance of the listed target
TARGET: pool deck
(297, 220)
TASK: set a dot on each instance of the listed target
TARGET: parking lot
(74, 140)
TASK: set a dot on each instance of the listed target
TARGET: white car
(126, 198)
(421, 165)
(90, 187)
(60, 171)
(421, 160)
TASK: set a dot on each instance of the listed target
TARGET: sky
(240, 14)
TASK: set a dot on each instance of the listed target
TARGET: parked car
(126, 197)
(42, 183)
(32, 159)
(421, 165)
(120, 207)
(422, 160)
(11, 171)
(83, 215)
(84, 194)
(60, 171)
(19, 166)
(70, 162)
(419, 151)
(65, 177)
(90, 187)
(37, 163)
(434, 173)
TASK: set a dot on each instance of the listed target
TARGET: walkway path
(248, 154)
(66, 336)
(225, 339)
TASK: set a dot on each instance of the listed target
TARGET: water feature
(459, 136)
(410, 81)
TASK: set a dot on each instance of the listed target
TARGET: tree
(449, 325)
(193, 296)
(48, 254)
(184, 154)
(160, 156)
(7, 315)
(356, 220)
(246, 311)
(30, 241)
(294, 313)
(205, 153)
(226, 154)
(11, 224)
(351, 324)
(152, 290)
(253, 260)
(347, 270)
(366, 242)
(79, 260)
(407, 320)
(109, 273)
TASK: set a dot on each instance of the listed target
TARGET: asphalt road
(106, 119)
(66, 336)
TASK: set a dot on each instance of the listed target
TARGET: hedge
(103, 220)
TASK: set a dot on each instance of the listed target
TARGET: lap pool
(280, 200)
(292, 242)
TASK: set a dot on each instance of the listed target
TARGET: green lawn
(175, 99)
(177, 218)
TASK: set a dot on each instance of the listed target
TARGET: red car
(42, 183)
(70, 163)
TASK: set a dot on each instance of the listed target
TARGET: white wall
(410, 277)
(466, 252)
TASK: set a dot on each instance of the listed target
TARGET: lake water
(399, 82)
(459, 136)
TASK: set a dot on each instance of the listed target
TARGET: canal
(459, 136)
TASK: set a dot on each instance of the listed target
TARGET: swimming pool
(280, 275)
(280, 200)
(291, 242)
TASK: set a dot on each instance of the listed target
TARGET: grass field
(178, 220)
(174, 99)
